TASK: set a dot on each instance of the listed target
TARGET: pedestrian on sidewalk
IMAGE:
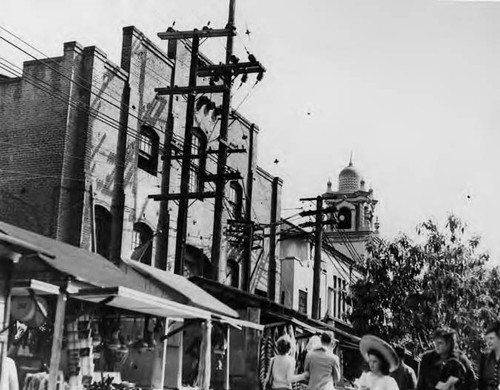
(323, 365)
(445, 366)
(404, 375)
(281, 373)
(489, 365)
(382, 360)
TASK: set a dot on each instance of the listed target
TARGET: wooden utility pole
(222, 154)
(248, 213)
(180, 244)
(227, 70)
(318, 236)
(318, 223)
(271, 279)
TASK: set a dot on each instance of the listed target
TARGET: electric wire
(178, 138)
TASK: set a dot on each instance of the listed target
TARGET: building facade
(343, 247)
(85, 143)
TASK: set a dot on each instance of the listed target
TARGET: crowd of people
(444, 367)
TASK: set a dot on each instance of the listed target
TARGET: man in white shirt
(323, 365)
(8, 380)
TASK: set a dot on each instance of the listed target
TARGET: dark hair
(385, 366)
(326, 338)
(494, 327)
(448, 335)
(283, 346)
(400, 351)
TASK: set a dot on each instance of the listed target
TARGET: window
(283, 297)
(303, 301)
(344, 296)
(102, 231)
(233, 273)
(142, 243)
(331, 305)
(198, 163)
(345, 218)
(235, 199)
(335, 296)
(149, 143)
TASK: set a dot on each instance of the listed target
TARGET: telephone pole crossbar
(189, 195)
(191, 90)
(203, 33)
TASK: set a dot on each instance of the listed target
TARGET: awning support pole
(55, 356)
(228, 358)
(208, 355)
(164, 356)
(6, 317)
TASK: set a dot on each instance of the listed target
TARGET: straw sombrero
(372, 342)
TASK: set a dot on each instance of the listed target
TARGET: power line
(178, 138)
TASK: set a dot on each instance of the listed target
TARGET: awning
(125, 298)
(301, 324)
(241, 323)
(83, 265)
(193, 295)
(21, 246)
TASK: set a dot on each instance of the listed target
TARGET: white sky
(412, 87)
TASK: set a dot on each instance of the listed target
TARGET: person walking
(382, 360)
(404, 375)
(280, 375)
(322, 365)
(489, 365)
(445, 366)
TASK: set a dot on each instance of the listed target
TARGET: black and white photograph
(249, 195)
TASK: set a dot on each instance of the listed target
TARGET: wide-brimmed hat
(372, 342)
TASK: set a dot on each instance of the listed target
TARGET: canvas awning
(190, 292)
(81, 264)
(125, 298)
(286, 319)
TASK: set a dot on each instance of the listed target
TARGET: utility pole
(227, 70)
(318, 236)
(163, 226)
(248, 213)
(191, 90)
(180, 244)
(271, 281)
(318, 247)
(222, 155)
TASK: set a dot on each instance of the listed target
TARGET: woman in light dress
(381, 359)
(282, 367)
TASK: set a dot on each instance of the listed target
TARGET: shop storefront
(73, 320)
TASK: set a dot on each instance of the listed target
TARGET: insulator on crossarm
(260, 76)
(244, 78)
(252, 58)
(234, 59)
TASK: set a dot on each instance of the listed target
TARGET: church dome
(349, 179)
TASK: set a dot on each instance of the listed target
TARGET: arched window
(142, 243)
(233, 273)
(102, 230)
(198, 162)
(235, 199)
(149, 143)
(345, 218)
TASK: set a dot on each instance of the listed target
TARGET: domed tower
(349, 179)
(355, 215)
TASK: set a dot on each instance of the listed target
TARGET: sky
(410, 87)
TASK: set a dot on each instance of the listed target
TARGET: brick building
(83, 144)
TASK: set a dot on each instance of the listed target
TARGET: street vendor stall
(78, 321)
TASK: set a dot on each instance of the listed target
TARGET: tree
(409, 288)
